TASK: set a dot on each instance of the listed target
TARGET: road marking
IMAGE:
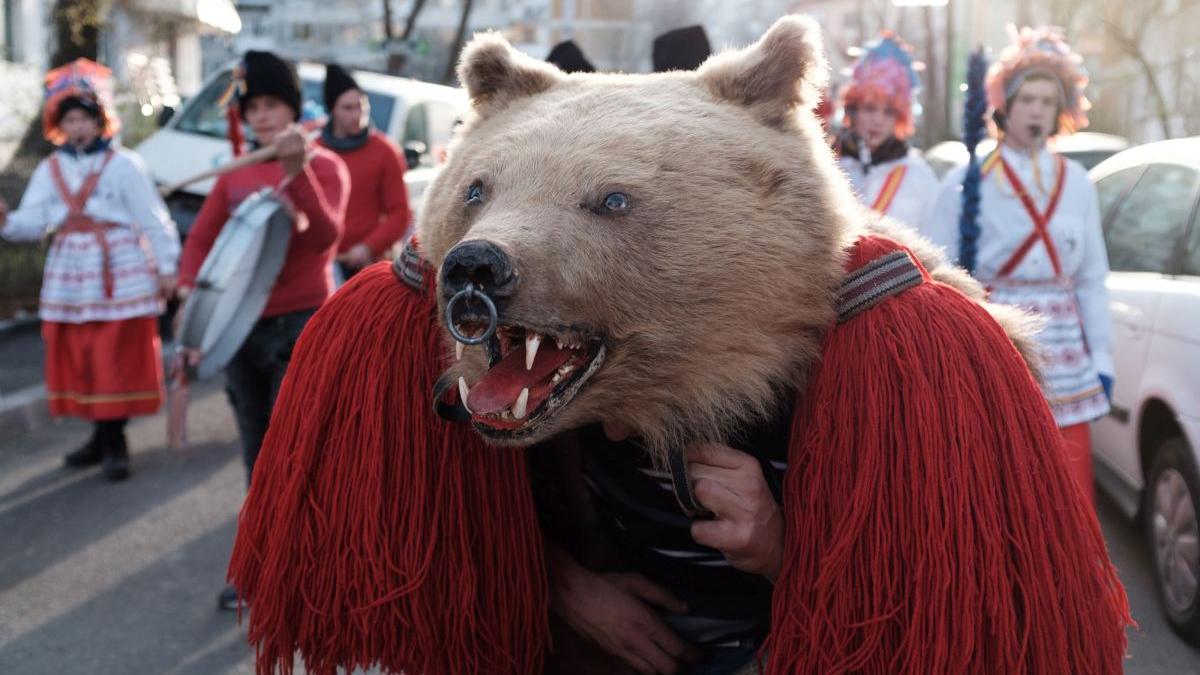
(72, 582)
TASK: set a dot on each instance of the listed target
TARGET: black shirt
(639, 513)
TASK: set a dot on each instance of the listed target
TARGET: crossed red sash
(891, 185)
(78, 221)
(1041, 220)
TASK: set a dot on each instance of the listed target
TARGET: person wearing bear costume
(821, 409)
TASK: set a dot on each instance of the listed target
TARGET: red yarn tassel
(233, 120)
(932, 524)
(375, 532)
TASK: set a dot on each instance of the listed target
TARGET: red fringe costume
(932, 525)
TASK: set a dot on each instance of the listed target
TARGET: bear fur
(713, 290)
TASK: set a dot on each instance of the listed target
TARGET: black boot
(87, 455)
(227, 601)
(116, 451)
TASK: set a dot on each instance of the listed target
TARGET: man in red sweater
(378, 214)
(317, 186)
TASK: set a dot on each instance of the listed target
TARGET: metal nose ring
(467, 294)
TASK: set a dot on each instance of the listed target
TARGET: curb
(24, 411)
(23, 323)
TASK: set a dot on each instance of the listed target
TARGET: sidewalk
(22, 393)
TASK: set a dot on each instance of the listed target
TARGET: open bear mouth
(532, 374)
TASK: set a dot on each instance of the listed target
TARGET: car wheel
(1173, 529)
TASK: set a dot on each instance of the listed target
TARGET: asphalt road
(122, 579)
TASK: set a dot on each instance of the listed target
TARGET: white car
(418, 116)
(1086, 147)
(1148, 449)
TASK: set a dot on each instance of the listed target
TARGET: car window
(1191, 262)
(416, 124)
(205, 116)
(1114, 186)
(202, 115)
(1150, 222)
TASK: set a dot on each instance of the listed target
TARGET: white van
(419, 116)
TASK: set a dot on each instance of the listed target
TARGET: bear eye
(474, 194)
(615, 202)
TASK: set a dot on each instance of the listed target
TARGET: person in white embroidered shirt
(1037, 242)
(886, 174)
(112, 262)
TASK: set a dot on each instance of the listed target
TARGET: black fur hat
(337, 82)
(681, 49)
(569, 58)
(265, 74)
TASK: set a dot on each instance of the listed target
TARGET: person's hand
(3, 212)
(748, 524)
(614, 611)
(190, 356)
(167, 284)
(1106, 383)
(358, 257)
(291, 149)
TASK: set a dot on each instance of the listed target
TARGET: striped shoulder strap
(409, 266)
(875, 282)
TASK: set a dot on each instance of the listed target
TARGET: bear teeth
(518, 409)
(532, 342)
(458, 350)
(463, 392)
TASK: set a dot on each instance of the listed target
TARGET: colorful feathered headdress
(91, 83)
(1040, 51)
(885, 74)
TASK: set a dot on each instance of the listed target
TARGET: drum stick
(264, 154)
(260, 155)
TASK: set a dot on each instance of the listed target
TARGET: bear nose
(478, 262)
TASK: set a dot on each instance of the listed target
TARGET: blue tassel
(974, 109)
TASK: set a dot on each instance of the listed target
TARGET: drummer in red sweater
(378, 214)
(316, 184)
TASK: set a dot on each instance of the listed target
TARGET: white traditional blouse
(142, 240)
(902, 188)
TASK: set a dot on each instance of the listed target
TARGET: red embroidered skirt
(104, 370)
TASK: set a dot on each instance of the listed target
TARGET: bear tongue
(501, 385)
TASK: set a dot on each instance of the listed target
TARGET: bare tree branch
(459, 37)
(411, 23)
(1132, 46)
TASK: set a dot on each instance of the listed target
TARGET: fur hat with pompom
(885, 74)
(1040, 51)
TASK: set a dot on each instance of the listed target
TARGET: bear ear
(495, 74)
(772, 77)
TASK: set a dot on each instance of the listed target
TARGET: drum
(235, 281)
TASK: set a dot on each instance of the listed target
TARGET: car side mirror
(413, 150)
(165, 115)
